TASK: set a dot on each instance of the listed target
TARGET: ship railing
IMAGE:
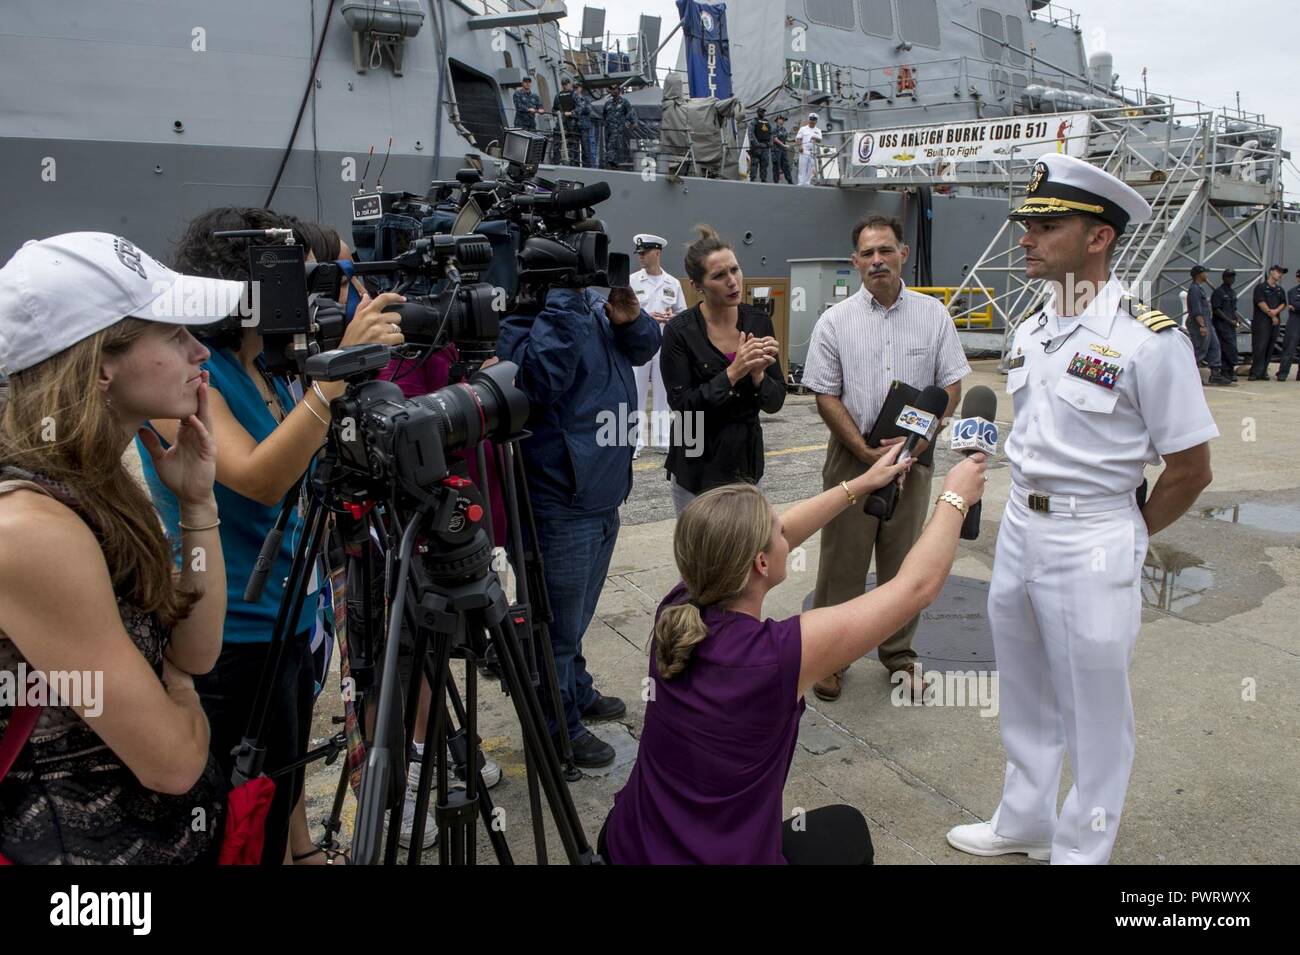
(610, 55)
(963, 316)
(1056, 15)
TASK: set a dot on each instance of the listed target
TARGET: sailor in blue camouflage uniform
(565, 147)
(760, 146)
(781, 151)
(1102, 387)
(527, 105)
(584, 115)
(620, 120)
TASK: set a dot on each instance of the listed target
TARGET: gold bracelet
(206, 527)
(307, 405)
(853, 498)
(956, 500)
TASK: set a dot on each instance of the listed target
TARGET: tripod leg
(533, 723)
(495, 836)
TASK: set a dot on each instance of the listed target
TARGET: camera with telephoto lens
(384, 441)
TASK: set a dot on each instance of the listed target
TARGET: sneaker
(491, 773)
(604, 708)
(591, 752)
(979, 839)
(408, 812)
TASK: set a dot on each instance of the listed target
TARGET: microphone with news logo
(921, 421)
(973, 432)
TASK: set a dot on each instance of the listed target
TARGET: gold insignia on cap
(1040, 173)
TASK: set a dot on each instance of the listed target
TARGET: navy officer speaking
(1102, 387)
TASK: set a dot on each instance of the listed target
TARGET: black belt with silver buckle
(1040, 502)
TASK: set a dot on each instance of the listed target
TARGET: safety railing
(963, 316)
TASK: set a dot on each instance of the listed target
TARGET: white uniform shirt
(1108, 401)
(859, 347)
(806, 136)
(658, 293)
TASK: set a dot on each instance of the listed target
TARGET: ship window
(832, 13)
(478, 103)
(1016, 37)
(877, 17)
(918, 21)
(993, 35)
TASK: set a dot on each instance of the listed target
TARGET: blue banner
(708, 52)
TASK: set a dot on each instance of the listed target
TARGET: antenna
(379, 180)
(365, 172)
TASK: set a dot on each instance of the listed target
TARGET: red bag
(247, 807)
(21, 723)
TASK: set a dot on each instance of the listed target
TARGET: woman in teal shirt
(264, 444)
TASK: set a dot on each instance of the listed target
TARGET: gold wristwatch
(956, 500)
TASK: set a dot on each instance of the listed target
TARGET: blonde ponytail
(715, 542)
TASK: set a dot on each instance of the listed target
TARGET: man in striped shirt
(859, 347)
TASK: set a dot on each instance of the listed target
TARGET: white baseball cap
(58, 291)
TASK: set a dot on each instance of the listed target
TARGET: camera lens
(487, 406)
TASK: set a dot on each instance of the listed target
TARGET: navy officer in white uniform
(1102, 387)
(661, 297)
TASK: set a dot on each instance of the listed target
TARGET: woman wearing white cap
(116, 768)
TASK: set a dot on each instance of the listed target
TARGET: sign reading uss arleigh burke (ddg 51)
(984, 141)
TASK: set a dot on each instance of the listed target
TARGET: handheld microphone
(973, 433)
(922, 421)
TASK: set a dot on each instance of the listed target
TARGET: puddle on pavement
(1280, 518)
(1174, 580)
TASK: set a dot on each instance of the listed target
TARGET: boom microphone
(973, 433)
(922, 422)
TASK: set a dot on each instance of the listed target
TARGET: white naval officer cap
(812, 116)
(645, 241)
(1065, 186)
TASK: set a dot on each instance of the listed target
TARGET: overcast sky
(1203, 50)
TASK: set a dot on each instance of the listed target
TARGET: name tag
(1016, 362)
(1093, 369)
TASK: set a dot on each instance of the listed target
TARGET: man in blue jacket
(575, 358)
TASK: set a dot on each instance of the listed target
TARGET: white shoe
(979, 839)
(636, 454)
(491, 775)
(408, 813)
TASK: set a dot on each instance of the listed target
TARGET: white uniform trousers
(805, 170)
(1065, 607)
(659, 424)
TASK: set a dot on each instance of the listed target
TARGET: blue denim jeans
(1205, 345)
(590, 149)
(576, 554)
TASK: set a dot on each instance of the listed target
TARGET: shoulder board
(1153, 319)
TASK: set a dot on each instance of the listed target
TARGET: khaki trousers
(849, 540)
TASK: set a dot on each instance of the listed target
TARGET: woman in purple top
(728, 685)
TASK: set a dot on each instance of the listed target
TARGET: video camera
(543, 234)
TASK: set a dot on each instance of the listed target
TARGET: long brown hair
(715, 542)
(58, 424)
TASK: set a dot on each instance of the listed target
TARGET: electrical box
(816, 285)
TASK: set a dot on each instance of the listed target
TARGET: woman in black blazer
(721, 368)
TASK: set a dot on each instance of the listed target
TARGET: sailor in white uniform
(1102, 387)
(661, 297)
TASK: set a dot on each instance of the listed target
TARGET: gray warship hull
(133, 117)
